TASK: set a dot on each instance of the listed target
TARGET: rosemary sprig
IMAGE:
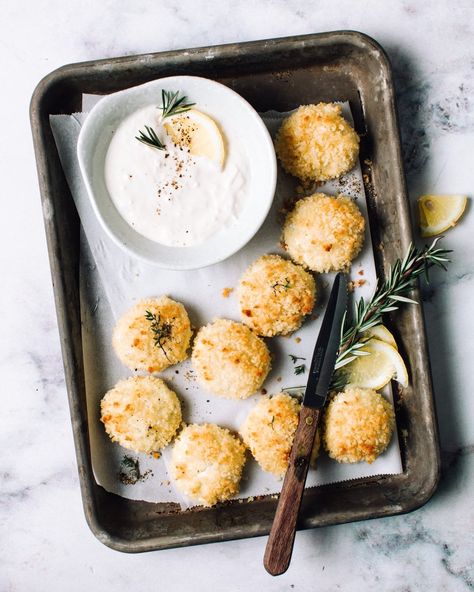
(172, 103)
(387, 297)
(161, 331)
(151, 139)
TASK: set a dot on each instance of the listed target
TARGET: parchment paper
(111, 281)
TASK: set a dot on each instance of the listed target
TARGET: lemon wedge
(198, 133)
(439, 212)
(377, 369)
(383, 334)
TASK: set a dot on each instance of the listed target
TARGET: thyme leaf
(301, 369)
(281, 285)
(161, 331)
(294, 359)
(130, 472)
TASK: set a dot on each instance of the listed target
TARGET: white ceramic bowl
(220, 102)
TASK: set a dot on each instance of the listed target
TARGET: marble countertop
(45, 543)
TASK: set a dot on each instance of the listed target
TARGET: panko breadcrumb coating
(316, 143)
(324, 233)
(358, 425)
(269, 430)
(206, 463)
(141, 413)
(154, 343)
(275, 295)
(229, 359)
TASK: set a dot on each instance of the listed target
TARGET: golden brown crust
(229, 359)
(269, 430)
(316, 143)
(207, 463)
(275, 295)
(135, 342)
(358, 425)
(141, 413)
(324, 233)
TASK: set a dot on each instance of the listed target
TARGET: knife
(282, 535)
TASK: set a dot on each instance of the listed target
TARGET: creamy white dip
(169, 196)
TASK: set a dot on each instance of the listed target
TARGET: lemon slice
(439, 212)
(377, 369)
(198, 133)
(383, 334)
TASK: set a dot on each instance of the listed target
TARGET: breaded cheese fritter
(324, 233)
(154, 334)
(269, 430)
(229, 359)
(207, 462)
(358, 425)
(316, 143)
(141, 413)
(275, 295)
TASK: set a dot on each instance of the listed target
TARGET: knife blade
(282, 535)
(327, 345)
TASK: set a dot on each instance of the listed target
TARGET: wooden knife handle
(282, 535)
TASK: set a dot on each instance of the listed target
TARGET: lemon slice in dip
(377, 369)
(383, 334)
(198, 133)
(439, 212)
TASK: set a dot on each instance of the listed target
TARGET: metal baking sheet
(275, 74)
